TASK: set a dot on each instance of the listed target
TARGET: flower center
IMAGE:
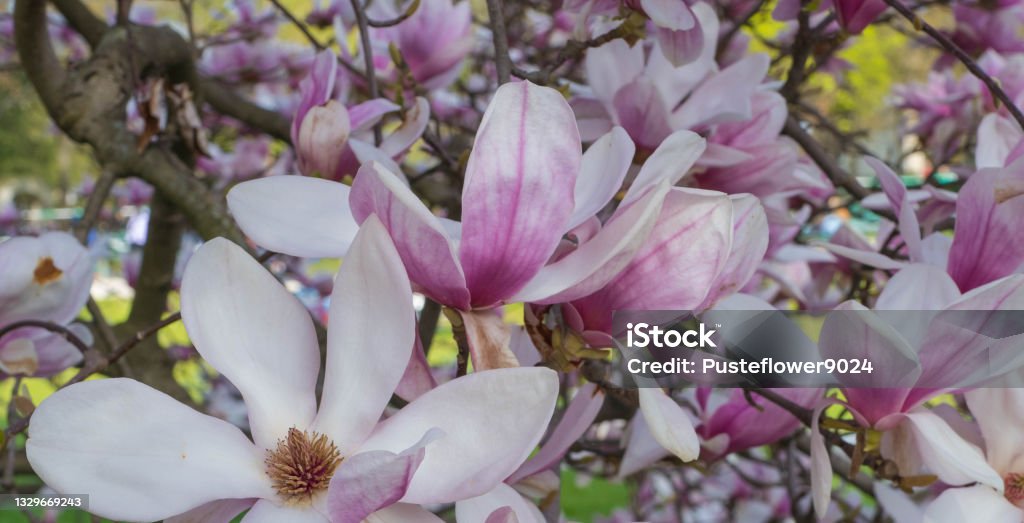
(46, 271)
(302, 465)
(1014, 487)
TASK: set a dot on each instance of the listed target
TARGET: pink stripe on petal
(421, 240)
(518, 194)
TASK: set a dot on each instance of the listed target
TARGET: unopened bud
(322, 138)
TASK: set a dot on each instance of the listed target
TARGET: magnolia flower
(649, 97)
(331, 140)
(917, 356)
(527, 185)
(433, 41)
(46, 279)
(983, 248)
(142, 456)
(677, 28)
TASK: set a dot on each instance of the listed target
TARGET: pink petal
(640, 109)
(612, 66)
(417, 378)
(995, 410)
(518, 193)
(295, 215)
(598, 260)
(370, 481)
(138, 453)
(492, 420)
(681, 47)
(256, 333)
(947, 455)
(724, 97)
(855, 15)
(988, 214)
(896, 192)
(371, 306)
(642, 449)
(977, 503)
(413, 124)
(670, 14)
(403, 513)
(422, 242)
(749, 244)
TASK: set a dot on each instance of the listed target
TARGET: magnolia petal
(821, 464)
(994, 410)
(295, 215)
(604, 166)
(855, 15)
(576, 419)
(997, 136)
(669, 14)
(220, 511)
(403, 513)
(669, 424)
(417, 378)
(600, 259)
(640, 109)
(413, 124)
(724, 97)
(365, 115)
(612, 66)
(670, 161)
(947, 455)
(749, 244)
(988, 212)
(419, 236)
(492, 420)
(642, 449)
(371, 306)
(366, 152)
(489, 339)
(681, 47)
(256, 333)
(518, 193)
(501, 505)
(369, 481)
(916, 288)
(869, 258)
(265, 511)
(678, 263)
(977, 503)
(853, 331)
(896, 192)
(141, 455)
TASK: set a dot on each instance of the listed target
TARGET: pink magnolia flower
(926, 355)
(984, 247)
(855, 15)
(527, 184)
(677, 28)
(433, 41)
(47, 279)
(154, 458)
(331, 140)
(650, 98)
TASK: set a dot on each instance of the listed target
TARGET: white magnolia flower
(142, 456)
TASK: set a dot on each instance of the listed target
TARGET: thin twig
(409, 11)
(65, 332)
(298, 23)
(960, 54)
(502, 61)
(371, 73)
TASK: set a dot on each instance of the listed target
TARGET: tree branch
(499, 32)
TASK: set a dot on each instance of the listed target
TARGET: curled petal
(604, 167)
(670, 426)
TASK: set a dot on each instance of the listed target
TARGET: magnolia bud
(322, 138)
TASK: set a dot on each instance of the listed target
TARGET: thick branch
(823, 159)
(35, 52)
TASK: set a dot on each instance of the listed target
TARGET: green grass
(584, 500)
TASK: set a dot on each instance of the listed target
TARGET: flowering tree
(501, 181)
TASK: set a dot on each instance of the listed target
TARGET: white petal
(977, 503)
(604, 167)
(138, 453)
(479, 508)
(670, 161)
(252, 330)
(947, 455)
(265, 511)
(370, 336)
(669, 424)
(220, 511)
(295, 215)
(995, 410)
(492, 420)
